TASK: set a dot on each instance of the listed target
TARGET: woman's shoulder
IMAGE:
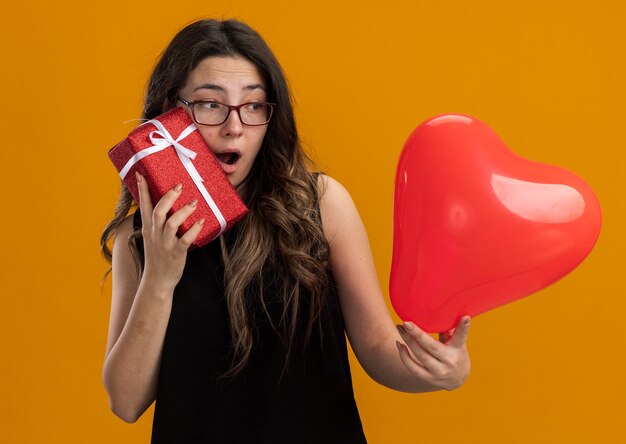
(331, 191)
(124, 232)
(126, 227)
(336, 205)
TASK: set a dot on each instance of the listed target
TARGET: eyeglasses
(212, 113)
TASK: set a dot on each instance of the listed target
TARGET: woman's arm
(140, 309)
(139, 317)
(380, 348)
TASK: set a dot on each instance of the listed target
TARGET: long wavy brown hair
(281, 239)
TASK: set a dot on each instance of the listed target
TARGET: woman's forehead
(225, 74)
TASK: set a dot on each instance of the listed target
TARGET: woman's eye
(209, 106)
(254, 107)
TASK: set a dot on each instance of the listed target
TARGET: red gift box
(169, 150)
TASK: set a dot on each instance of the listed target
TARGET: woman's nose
(233, 125)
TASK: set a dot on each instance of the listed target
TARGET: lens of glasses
(213, 113)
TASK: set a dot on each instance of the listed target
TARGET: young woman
(243, 340)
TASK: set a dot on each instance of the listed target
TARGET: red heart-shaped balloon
(477, 226)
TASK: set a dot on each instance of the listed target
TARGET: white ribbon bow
(162, 139)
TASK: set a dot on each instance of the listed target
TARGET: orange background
(548, 77)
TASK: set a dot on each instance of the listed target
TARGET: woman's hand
(165, 254)
(444, 363)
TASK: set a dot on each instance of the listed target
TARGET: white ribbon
(162, 139)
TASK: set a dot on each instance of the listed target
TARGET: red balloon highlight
(477, 226)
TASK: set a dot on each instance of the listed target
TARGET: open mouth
(228, 158)
(229, 161)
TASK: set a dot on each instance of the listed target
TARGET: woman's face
(232, 81)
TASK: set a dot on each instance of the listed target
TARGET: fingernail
(401, 329)
(409, 325)
(399, 346)
(138, 177)
(467, 321)
(178, 187)
(201, 222)
(193, 203)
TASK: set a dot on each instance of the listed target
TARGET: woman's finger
(459, 338)
(174, 222)
(426, 341)
(159, 215)
(190, 235)
(423, 356)
(414, 367)
(145, 202)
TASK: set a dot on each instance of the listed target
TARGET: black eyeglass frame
(192, 106)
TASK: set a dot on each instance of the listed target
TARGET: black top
(311, 402)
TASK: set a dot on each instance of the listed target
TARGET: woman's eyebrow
(209, 86)
(254, 86)
(215, 87)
